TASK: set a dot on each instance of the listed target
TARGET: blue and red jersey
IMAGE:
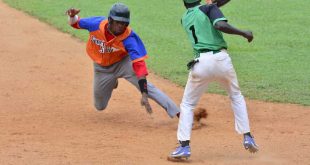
(106, 49)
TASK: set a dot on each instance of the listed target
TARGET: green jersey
(198, 23)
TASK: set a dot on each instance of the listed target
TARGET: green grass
(274, 67)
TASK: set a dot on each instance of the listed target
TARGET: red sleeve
(139, 68)
(76, 26)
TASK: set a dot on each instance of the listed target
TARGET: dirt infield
(47, 116)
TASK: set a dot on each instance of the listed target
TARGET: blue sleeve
(134, 46)
(90, 23)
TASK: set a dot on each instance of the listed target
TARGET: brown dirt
(47, 117)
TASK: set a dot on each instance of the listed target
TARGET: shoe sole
(178, 159)
(251, 148)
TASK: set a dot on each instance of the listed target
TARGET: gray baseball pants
(105, 79)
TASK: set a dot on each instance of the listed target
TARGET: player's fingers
(76, 11)
(67, 12)
(208, 1)
(250, 39)
(142, 103)
(148, 108)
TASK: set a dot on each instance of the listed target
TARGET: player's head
(191, 3)
(119, 18)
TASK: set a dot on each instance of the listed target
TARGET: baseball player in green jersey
(204, 25)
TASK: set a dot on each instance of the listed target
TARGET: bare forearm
(226, 28)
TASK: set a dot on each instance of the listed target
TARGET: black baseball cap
(120, 12)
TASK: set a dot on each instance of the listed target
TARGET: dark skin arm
(219, 3)
(223, 26)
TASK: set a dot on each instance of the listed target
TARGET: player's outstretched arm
(227, 28)
(73, 17)
(219, 3)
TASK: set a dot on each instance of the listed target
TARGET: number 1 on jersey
(192, 28)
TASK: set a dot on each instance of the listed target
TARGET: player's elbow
(220, 25)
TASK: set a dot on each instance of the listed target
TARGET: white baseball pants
(212, 67)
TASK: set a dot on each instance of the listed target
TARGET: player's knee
(236, 96)
(187, 105)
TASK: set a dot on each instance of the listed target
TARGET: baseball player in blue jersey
(203, 25)
(118, 52)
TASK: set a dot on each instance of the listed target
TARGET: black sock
(249, 134)
(184, 143)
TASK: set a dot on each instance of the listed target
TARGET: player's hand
(219, 3)
(72, 12)
(209, 2)
(145, 103)
(248, 35)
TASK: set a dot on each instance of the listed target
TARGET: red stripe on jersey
(141, 58)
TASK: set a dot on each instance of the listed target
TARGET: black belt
(191, 64)
(208, 50)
